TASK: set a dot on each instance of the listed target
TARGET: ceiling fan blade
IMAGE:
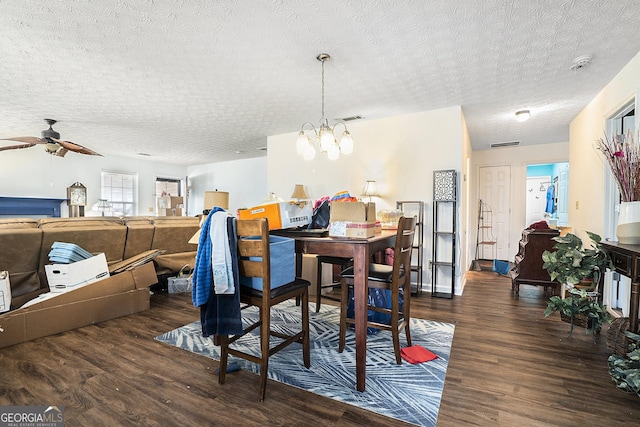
(12, 147)
(33, 140)
(72, 146)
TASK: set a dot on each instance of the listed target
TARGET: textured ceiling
(199, 81)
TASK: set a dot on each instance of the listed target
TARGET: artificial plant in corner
(625, 370)
(579, 305)
(571, 261)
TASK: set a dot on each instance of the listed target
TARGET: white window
(118, 189)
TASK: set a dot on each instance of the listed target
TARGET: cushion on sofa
(19, 251)
(14, 223)
(99, 221)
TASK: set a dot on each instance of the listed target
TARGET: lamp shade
(369, 189)
(299, 193)
(216, 198)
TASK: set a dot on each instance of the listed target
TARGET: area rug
(407, 392)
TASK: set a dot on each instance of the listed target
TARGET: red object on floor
(417, 354)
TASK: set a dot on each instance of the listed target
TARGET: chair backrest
(253, 250)
(403, 248)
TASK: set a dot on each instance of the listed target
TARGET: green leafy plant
(571, 261)
(579, 304)
(625, 370)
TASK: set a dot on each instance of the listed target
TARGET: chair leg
(395, 327)
(406, 314)
(306, 345)
(223, 341)
(265, 333)
(318, 286)
(344, 302)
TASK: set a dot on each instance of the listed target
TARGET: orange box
(280, 215)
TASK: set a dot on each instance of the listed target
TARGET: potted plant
(580, 308)
(580, 268)
(571, 262)
(625, 370)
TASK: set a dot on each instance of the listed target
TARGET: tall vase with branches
(622, 154)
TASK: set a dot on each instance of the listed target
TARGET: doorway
(494, 189)
(547, 193)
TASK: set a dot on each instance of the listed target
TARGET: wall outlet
(150, 209)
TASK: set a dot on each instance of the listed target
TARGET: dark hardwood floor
(509, 367)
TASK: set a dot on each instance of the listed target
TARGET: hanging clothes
(551, 195)
(219, 313)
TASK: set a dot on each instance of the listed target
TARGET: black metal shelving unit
(443, 262)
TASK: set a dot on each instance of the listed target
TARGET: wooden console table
(626, 259)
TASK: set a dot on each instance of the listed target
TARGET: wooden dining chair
(343, 263)
(254, 261)
(396, 278)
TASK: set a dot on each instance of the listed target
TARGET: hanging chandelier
(324, 137)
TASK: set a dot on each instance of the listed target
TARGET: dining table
(360, 249)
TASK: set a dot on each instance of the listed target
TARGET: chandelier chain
(324, 136)
(322, 118)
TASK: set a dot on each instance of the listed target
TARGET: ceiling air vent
(348, 119)
(505, 144)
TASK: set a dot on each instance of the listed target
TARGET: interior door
(563, 198)
(536, 198)
(495, 190)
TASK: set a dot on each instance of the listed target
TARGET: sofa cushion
(19, 251)
(98, 221)
(14, 223)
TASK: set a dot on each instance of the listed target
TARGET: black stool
(344, 263)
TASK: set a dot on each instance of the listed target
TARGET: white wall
(400, 153)
(34, 173)
(517, 158)
(245, 180)
(587, 171)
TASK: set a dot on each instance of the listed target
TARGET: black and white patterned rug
(407, 392)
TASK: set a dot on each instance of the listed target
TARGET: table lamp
(299, 193)
(216, 198)
(369, 190)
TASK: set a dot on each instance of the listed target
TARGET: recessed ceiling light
(523, 115)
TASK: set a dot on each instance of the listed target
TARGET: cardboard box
(170, 206)
(170, 212)
(52, 313)
(280, 215)
(283, 264)
(65, 276)
(355, 220)
(5, 292)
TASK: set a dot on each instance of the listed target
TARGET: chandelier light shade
(325, 137)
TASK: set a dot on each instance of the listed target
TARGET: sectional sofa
(25, 245)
